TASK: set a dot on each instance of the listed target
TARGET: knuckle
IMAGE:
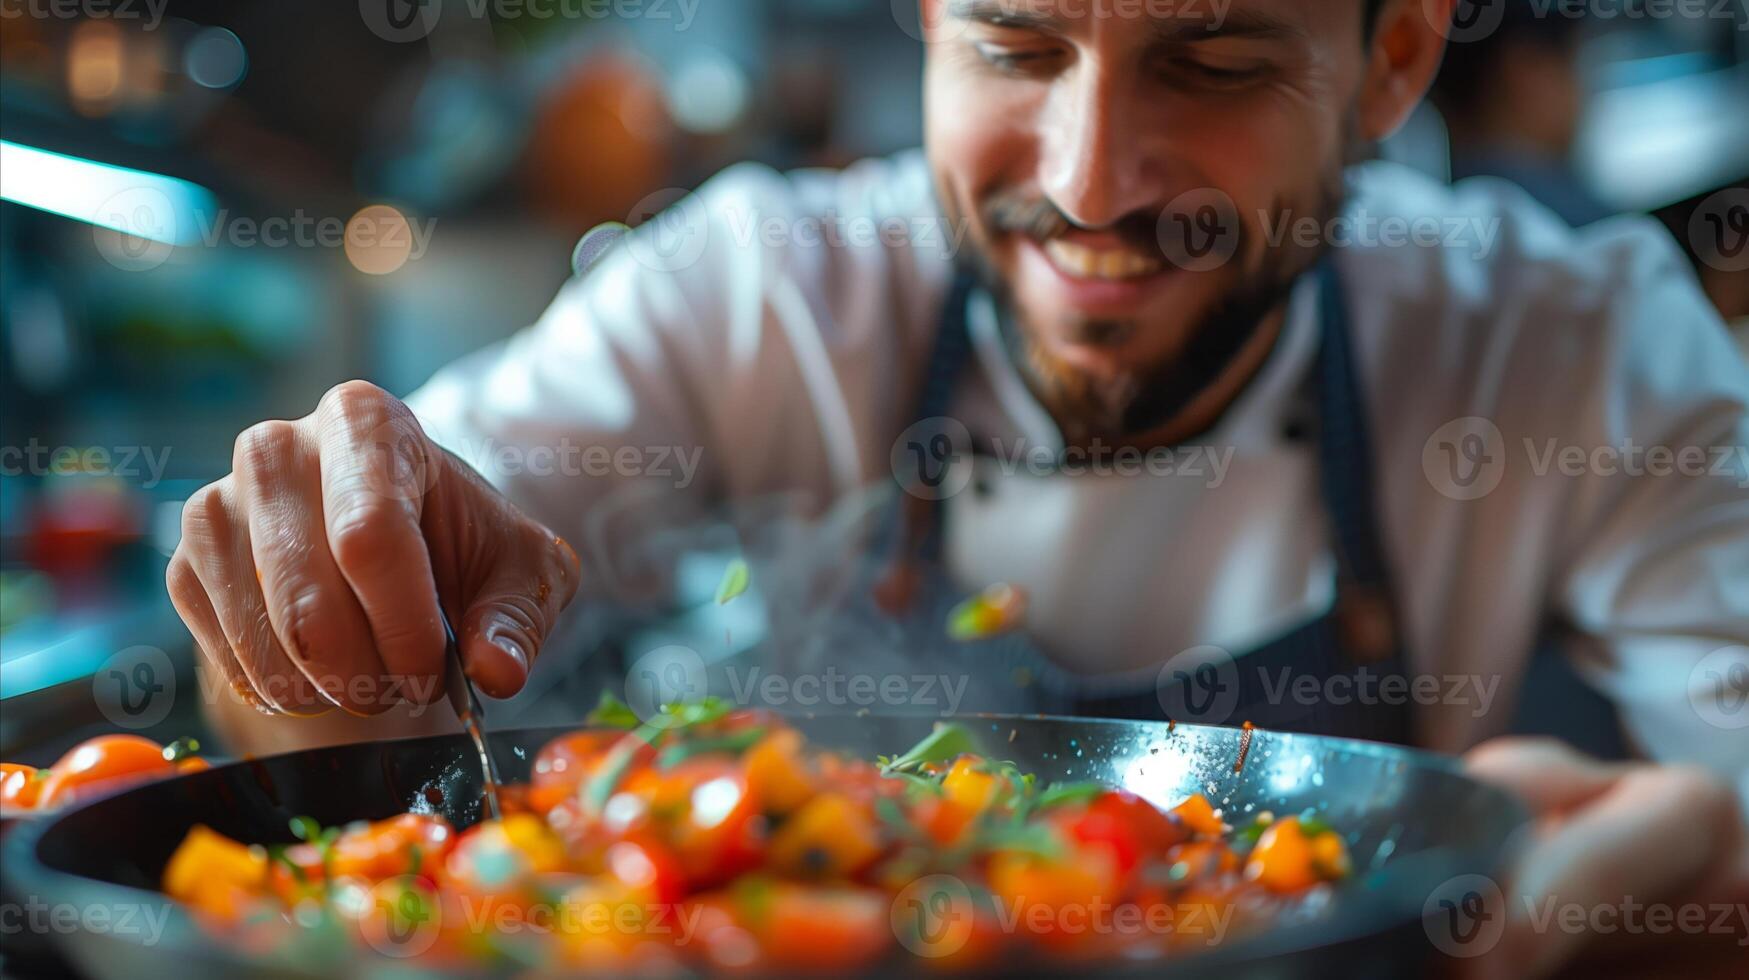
(264, 446)
(354, 399)
(181, 582)
(203, 517)
(360, 540)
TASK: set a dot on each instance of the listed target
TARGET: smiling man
(1174, 249)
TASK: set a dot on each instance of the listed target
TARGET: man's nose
(1095, 162)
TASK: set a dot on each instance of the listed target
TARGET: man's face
(1068, 132)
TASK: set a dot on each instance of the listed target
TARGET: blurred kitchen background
(499, 132)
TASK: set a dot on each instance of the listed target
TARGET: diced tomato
(497, 856)
(647, 868)
(826, 929)
(1151, 829)
(1095, 829)
(1054, 899)
(719, 832)
(942, 819)
(386, 848)
(562, 764)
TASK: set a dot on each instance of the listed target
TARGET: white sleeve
(723, 351)
(1654, 559)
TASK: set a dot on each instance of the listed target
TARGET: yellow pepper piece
(829, 837)
(968, 786)
(206, 857)
(777, 773)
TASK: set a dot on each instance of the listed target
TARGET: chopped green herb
(611, 712)
(734, 744)
(182, 748)
(1066, 793)
(945, 743)
(735, 581)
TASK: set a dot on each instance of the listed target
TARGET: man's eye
(1215, 76)
(1018, 60)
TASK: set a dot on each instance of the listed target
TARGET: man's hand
(1634, 870)
(311, 575)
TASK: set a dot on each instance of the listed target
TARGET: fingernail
(508, 641)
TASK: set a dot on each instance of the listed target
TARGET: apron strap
(1364, 618)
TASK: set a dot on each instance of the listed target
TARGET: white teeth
(1089, 263)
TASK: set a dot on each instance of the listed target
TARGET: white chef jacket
(777, 327)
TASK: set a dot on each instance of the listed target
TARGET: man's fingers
(196, 609)
(376, 468)
(216, 541)
(507, 622)
(1613, 835)
(316, 618)
(1550, 776)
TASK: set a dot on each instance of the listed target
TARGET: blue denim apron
(1356, 642)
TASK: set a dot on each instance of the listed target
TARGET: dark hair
(1464, 76)
(1372, 15)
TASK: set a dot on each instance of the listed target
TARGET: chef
(1241, 426)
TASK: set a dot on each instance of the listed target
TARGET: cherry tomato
(647, 868)
(1096, 829)
(1152, 830)
(103, 764)
(20, 786)
(563, 764)
(720, 831)
(387, 847)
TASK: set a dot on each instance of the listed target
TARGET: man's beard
(1125, 408)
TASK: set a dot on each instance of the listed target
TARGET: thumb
(510, 616)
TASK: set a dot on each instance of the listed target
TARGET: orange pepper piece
(1282, 859)
(1197, 814)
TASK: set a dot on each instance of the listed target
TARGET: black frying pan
(1413, 823)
